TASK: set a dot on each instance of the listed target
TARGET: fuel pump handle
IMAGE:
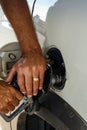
(29, 104)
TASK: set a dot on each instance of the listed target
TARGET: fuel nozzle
(54, 78)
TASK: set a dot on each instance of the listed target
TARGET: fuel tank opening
(58, 75)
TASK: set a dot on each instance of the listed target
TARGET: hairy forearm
(18, 14)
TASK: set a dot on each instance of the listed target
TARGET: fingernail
(35, 94)
(24, 93)
(29, 96)
(40, 88)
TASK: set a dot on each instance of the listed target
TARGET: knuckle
(34, 67)
(8, 90)
(10, 99)
(27, 70)
(20, 70)
(42, 68)
(2, 106)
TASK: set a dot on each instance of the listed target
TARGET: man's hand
(31, 67)
(30, 72)
(9, 97)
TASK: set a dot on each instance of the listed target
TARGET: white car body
(66, 29)
(66, 26)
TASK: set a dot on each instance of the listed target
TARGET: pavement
(7, 125)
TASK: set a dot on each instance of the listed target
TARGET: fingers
(21, 81)
(41, 76)
(11, 75)
(35, 80)
(3, 109)
(28, 83)
(7, 106)
(35, 85)
(10, 107)
(14, 94)
(19, 96)
(9, 97)
(31, 80)
(30, 73)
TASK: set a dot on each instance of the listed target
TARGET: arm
(19, 16)
(32, 63)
